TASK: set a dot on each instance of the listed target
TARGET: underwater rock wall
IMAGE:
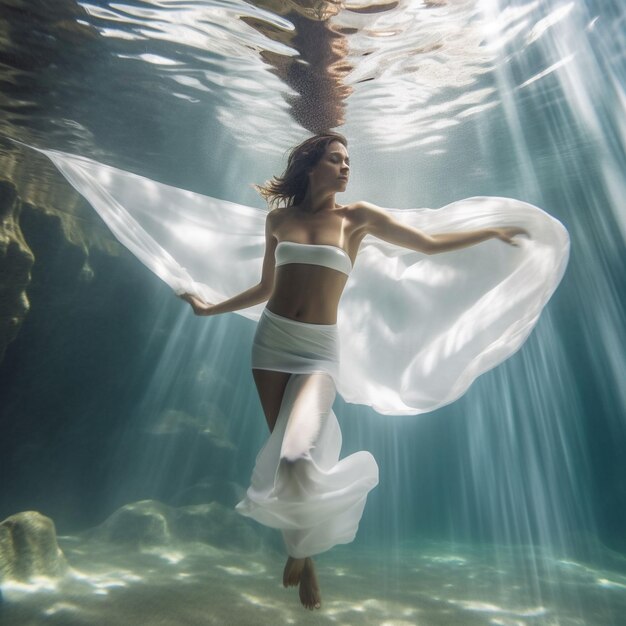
(16, 261)
(54, 210)
(73, 310)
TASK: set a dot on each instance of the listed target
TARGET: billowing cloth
(298, 484)
(415, 330)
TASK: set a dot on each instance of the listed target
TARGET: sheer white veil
(415, 330)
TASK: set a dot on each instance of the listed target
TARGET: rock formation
(16, 260)
(150, 523)
(33, 191)
(28, 547)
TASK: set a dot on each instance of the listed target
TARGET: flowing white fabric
(299, 485)
(416, 330)
(285, 345)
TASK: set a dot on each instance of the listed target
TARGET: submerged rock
(28, 547)
(150, 523)
(136, 525)
(208, 490)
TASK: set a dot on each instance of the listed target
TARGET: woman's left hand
(199, 307)
(507, 233)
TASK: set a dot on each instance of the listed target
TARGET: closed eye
(337, 155)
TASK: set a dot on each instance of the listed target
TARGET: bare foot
(309, 587)
(292, 572)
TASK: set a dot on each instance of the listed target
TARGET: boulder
(136, 525)
(150, 523)
(28, 547)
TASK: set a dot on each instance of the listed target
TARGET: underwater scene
(131, 428)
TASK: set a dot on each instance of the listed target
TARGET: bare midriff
(302, 291)
(307, 293)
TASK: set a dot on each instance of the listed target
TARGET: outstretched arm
(249, 297)
(380, 223)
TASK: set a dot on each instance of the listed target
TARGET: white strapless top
(314, 254)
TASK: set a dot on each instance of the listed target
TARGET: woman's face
(333, 170)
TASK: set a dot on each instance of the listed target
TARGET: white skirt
(285, 345)
(298, 484)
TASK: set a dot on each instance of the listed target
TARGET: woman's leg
(313, 396)
(311, 401)
(271, 388)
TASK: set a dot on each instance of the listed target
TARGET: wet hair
(290, 188)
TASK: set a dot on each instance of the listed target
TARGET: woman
(311, 245)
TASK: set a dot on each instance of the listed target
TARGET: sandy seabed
(429, 584)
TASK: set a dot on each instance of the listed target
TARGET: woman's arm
(249, 297)
(381, 224)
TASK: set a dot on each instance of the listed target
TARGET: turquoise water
(506, 507)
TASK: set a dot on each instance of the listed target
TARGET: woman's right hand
(199, 307)
(506, 234)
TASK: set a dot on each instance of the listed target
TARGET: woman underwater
(311, 244)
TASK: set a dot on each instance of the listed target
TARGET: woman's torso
(302, 291)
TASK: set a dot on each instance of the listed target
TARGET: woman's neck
(316, 203)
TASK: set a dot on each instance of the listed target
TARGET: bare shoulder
(274, 216)
(366, 213)
(273, 213)
(271, 224)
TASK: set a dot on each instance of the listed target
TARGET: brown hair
(290, 188)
